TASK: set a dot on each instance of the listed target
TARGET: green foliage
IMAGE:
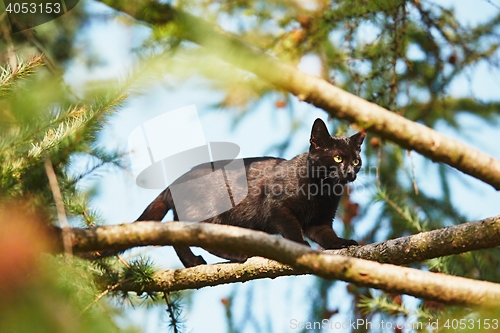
(402, 55)
(25, 69)
(409, 216)
(430, 316)
(140, 271)
(38, 121)
(55, 300)
(174, 311)
(40, 117)
(466, 320)
(392, 305)
(474, 265)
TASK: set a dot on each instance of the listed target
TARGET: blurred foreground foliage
(40, 292)
(42, 118)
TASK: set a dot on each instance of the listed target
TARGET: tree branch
(446, 241)
(303, 259)
(337, 102)
(405, 250)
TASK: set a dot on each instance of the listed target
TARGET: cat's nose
(351, 174)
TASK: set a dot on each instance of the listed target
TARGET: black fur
(293, 198)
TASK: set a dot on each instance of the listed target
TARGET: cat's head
(335, 157)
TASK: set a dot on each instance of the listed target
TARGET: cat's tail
(154, 212)
(158, 208)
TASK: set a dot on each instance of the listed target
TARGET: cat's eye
(355, 162)
(337, 158)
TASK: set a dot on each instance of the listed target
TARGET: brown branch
(11, 51)
(61, 214)
(304, 260)
(337, 102)
(457, 239)
(405, 250)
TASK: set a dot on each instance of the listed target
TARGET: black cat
(292, 198)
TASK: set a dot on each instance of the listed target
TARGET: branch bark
(405, 250)
(301, 259)
(337, 102)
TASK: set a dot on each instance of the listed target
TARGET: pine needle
(25, 69)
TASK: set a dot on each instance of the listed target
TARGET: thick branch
(318, 92)
(391, 278)
(405, 250)
(457, 239)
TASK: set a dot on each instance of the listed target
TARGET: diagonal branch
(316, 91)
(303, 259)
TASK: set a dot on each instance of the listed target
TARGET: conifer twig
(61, 214)
(101, 295)
(406, 215)
(171, 312)
(123, 261)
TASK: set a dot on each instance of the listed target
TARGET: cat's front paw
(341, 243)
(349, 242)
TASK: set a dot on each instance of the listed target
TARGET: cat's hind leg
(187, 257)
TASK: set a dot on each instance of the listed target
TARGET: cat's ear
(319, 134)
(357, 139)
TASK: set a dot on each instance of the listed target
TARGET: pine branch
(303, 260)
(337, 102)
(384, 304)
(72, 129)
(412, 219)
(80, 125)
(24, 69)
(174, 311)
